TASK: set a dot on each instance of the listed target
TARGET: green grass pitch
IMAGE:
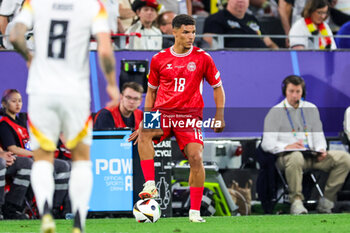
(270, 223)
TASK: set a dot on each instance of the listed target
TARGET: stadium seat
(344, 139)
(344, 193)
(200, 24)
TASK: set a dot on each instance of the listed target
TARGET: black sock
(77, 223)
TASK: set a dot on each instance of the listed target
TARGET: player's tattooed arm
(106, 56)
(17, 38)
(107, 63)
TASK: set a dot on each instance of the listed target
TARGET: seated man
(164, 24)
(293, 129)
(235, 20)
(126, 113)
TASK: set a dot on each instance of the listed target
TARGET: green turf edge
(267, 223)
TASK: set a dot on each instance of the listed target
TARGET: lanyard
(306, 144)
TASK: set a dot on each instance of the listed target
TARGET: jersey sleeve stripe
(102, 12)
(217, 75)
(151, 86)
(27, 6)
(217, 85)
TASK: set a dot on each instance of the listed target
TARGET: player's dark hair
(183, 19)
(5, 97)
(133, 85)
(295, 80)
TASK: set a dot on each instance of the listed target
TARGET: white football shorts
(49, 116)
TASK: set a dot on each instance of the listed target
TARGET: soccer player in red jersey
(175, 91)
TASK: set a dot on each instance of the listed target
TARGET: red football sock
(196, 194)
(148, 169)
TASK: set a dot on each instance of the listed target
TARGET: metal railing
(120, 40)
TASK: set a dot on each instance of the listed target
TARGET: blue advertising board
(111, 156)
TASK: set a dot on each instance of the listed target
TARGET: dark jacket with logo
(224, 22)
(112, 118)
(13, 132)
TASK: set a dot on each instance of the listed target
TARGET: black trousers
(19, 173)
(61, 175)
(2, 180)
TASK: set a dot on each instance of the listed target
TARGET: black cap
(137, 4)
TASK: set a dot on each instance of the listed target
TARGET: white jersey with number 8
(62, 34)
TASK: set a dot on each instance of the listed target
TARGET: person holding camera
(293, 132)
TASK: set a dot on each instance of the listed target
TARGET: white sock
(80, 186)
(43, 184)
(198, 212)
(151, 182)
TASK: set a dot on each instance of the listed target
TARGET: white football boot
(195, 216)
(149, 190)
(47, 224)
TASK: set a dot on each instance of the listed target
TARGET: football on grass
(146, 210)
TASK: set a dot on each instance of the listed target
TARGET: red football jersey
(179, 79)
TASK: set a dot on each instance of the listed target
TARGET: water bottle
(69, 216)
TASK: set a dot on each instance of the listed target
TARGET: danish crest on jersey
(191, 66)
(151, 120)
